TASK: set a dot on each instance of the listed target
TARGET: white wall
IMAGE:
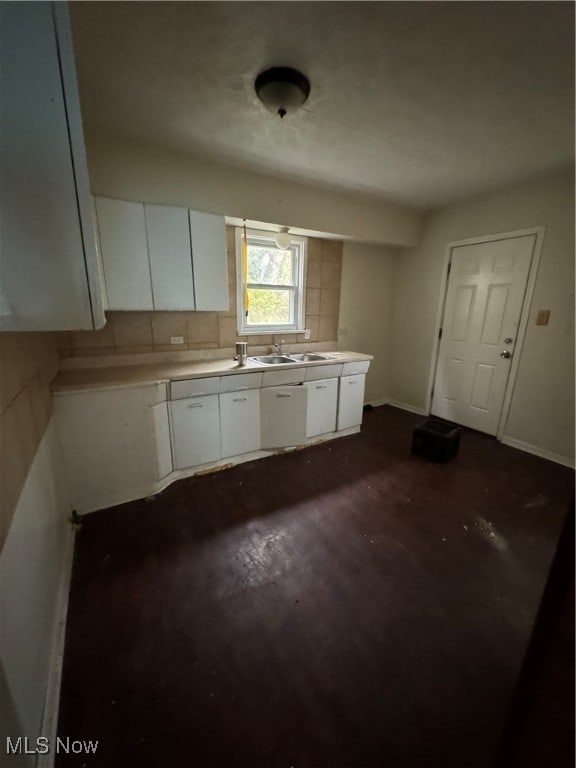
(32, 569)
(542, 410)
(133, 171)
(366, 310)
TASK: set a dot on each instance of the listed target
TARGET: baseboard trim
(536, 451)
(407, 407)
(52, 701)
(378, 403)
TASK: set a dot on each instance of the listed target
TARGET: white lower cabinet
(240, 422)
(322, 406)
(283, 413)
(351, 401)
(114, 442)
(195, 430)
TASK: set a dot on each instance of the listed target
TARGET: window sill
(271, 332)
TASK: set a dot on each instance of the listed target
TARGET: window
(274, 284)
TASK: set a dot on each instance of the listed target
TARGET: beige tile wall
(127, 332)
(28, 363)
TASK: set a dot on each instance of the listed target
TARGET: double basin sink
(307, 357)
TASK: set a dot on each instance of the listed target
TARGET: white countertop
(157, 373)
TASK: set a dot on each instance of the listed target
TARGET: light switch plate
(176, 339)
(307, 333)
(543, 317)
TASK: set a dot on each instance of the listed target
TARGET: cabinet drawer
(317, 372)
(359, 367)
(241, 381)
(194, 387)
(280, 377)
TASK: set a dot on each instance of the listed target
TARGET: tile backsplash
(138, 332)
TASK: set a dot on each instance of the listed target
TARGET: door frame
(539, 233)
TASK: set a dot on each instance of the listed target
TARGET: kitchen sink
(272, 359)
(308, 357)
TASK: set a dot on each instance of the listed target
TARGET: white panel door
(483, 305)
(351, 401)
(124, 252)
(195, 430)
(240, 422)
(208, 235)
(283, 415)
(322, 406)
(170, 255)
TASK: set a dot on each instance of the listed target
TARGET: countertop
(77, 379)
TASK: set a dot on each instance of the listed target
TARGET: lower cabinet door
(283, 411)
(195, 430)
(240, 422)
(351, 401)
(322, 405)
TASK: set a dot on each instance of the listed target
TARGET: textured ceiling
(421, 103)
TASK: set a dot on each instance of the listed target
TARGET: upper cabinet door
(48, 257)
(124, 250)
(208, 234)
(170, 257)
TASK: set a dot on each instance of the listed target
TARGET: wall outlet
(306, 333)
(343, 332)
(176, 339)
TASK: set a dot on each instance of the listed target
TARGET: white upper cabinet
(49, 268)
(170, 257)
(208, 233)
(161, 257)
(124, 250)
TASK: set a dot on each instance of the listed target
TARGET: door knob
(505, 354)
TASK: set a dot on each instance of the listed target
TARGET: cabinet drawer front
(195, 430)
(194, 387)
(360, 367)
(240, 382)
(316, 372)
(279, 377)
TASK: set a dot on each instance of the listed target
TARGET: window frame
(299, 248)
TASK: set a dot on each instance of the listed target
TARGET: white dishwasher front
(283, 415)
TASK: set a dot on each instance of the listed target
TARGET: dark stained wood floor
(343, 605)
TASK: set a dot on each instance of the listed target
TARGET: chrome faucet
(278, 347)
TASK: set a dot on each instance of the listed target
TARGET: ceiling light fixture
(282, 90)
(283, 239)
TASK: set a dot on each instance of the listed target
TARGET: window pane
(269, 265)
(268, 307)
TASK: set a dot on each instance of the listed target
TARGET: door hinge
(440, 333)
(449, 269)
